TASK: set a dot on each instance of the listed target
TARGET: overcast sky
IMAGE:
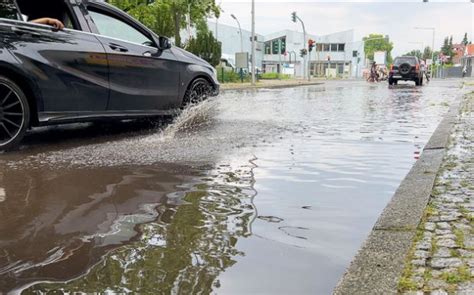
(396, 18)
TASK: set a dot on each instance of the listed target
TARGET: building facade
(335, 54)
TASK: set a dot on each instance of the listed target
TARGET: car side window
(115, 28)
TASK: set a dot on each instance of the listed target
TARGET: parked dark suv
(406, 68)
(103, 65)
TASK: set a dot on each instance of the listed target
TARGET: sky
(397, 19)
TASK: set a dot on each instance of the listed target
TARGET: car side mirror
(164, 43)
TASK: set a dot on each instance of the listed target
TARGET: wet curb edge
(249, 87)
(377, 267)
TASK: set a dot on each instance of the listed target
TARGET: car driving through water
(103, 65)
(406, 68)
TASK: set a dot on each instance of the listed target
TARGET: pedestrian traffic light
(311, 44)
(293, 16)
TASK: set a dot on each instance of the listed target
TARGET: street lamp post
(305, 68)
(240, 30)
(253, 42)
(432, 46)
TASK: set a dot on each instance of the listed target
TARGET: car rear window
(8, 9)
(402, 60)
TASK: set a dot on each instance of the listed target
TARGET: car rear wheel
(198, 91)
(14, 114)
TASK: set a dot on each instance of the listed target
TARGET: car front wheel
(14, 114)
(198, 91)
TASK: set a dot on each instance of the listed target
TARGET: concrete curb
(377, 267)
(289, 85)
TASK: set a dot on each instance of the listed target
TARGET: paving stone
(469, 242)
(443, 232)
(451, 199)
(419, 262)
(424, 245)
(442, 253)
(440, 263)
(462, 226)
(466, 253)
(466, 288)
(450, 236)
(421, 254)
(436, 284)
(430, 226)
(449, 243)
(443, 225)
(419, 271)
(452, 217)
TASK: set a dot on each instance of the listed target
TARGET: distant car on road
(406, 68)
(103, 65)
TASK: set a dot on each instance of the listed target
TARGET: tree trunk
(177, 22)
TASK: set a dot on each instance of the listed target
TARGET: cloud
(394, 18)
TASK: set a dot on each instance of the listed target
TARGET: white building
(337, 52)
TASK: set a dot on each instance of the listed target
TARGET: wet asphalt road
(262, 191)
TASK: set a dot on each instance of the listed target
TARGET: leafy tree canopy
(378, 42)
(168, 17)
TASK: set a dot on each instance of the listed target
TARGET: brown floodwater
(269, 191)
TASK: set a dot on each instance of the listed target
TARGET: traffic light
(303, 52)
(293, 16)
(311, 44)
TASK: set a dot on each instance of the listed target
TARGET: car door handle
(25, 31)
(116, 47)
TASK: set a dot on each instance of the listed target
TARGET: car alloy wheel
(198, 91)
(14, 114)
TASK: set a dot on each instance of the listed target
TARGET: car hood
(188, 57)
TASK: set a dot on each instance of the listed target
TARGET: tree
(377, 42)
(416, 53)
(427, 53)
(465, 41)
(168, 17)
(205, 46)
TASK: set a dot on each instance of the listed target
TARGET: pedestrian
(464, 71)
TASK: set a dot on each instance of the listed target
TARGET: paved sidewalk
(271, 84)
(442, 257)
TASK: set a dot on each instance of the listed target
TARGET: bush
(273, 76)
(228, 76)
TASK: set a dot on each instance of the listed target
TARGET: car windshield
(8, 9)
(407, 59)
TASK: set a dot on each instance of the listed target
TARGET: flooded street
(256, 191)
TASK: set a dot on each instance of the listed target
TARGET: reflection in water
(188, 235)
(328, 163)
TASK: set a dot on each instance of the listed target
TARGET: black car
(103, 65)
(406, 68)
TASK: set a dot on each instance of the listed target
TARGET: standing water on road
(262, 191)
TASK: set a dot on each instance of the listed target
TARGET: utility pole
(279, 57)
(253, 42)
(294, 17)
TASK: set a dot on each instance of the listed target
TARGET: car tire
(198, 91)
(390, 81)
(14, 114)
(417, 82)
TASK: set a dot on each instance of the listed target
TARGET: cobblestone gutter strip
(441, 259)
(379, 264)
